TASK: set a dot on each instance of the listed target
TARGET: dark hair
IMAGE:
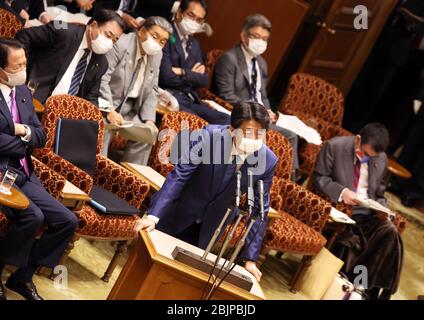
(5, 45)
(103, 16)
(376, 135)
(249, 110)
(185, 4)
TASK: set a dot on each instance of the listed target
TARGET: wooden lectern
(151, 273)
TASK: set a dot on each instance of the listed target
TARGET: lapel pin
(23, 100)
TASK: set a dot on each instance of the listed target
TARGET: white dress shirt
(65, 83)
(249, 63)
(5, 90)
(135, 92)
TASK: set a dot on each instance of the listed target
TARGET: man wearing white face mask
(128, 84)
(182, 71)
(70, 59)
(242, 73)
(20, 133)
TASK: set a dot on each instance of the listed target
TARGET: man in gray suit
(128, 85)
(353, 166)
(241, 73)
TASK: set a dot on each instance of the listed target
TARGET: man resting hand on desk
(197, 193)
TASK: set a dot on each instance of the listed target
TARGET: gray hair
(256, 20)
(158, 21)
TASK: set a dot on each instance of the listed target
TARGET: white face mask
(189, 27)
(102, 44)
(249, 146)
(150, 46)
(257, 46)
(15, 79)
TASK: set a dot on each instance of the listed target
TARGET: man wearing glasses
(242, 73)
(69, 58)
(128, 84)
(182, 70)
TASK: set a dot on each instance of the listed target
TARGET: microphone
(250, 192)
(238, 190)
(261, 198)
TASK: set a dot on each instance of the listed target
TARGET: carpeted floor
(88, 261)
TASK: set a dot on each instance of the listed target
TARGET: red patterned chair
(320, 105)
(108, 175)
(9, 24)
(205, 93)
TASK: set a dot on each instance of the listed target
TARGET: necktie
(17, 119)
(78, 74)
(254, 79)
(357, 173)
(130, 87)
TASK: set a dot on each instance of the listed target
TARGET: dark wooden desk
(39, 108)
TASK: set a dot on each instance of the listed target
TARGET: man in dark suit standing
(182, 71)
(348, 167)
(197, 193)
(20, 133)
(26, 10)
(70, 59)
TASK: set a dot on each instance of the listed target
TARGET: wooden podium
(151, 273)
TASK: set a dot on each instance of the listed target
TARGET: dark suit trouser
(19, 247)
(206, 113)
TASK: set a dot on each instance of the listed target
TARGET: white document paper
(373, 205)
(110, 126)
(297, 126)
(140, 132)
(340, 217)
(217, 106)
(167, 100)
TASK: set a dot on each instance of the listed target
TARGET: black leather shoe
(26, 290)
(2, 292)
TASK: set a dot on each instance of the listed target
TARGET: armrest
(305, 206)
(114, 178)
(72, 173)
(205, 94)
(276, 201)
(52, 181)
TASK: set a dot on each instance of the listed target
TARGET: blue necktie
(254, 80)
(78, 74)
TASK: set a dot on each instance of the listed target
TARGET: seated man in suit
(182, 71)
(241, 73)
(353, 166)
(129, 83)
(71, 60)
(197, 193)
(20, 133)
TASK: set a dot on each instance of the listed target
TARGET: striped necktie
(254, 81)
(79, 73)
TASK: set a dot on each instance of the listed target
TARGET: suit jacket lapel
(178, 46)
(6, 112)
(69, 53)
(348, 161)
(372, 166)
(22, 103)
(242, 63)
(130, 64)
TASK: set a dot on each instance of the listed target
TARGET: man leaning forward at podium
(197, 193)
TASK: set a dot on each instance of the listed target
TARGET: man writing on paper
(128, 84)
(197, 193)
(241, 73)
(348, 167)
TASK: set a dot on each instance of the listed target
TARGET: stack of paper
(216, 106)
(297, 126)
(373, 205)
(340, 217)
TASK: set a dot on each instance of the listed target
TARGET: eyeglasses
(192, 16)
(257, 36)
(162, 41)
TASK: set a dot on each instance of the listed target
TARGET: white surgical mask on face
(249, 146)
(257, 46)
(101, 44)
(150, 46)
(189, 27)
(15, 79)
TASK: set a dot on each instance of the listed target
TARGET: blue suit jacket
(11, 146)
(173, 56)
(198, 191)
